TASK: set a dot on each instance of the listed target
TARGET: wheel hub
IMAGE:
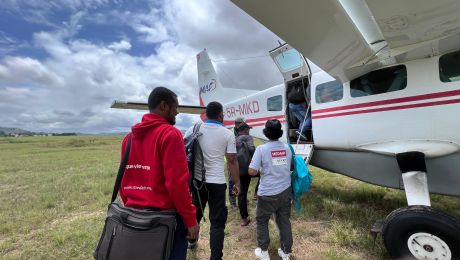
(426, 246)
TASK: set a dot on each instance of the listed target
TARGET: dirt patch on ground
(77, 215)
(309, 240)
(4, 186)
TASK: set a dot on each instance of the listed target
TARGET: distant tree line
(64, 134)
(3, 134)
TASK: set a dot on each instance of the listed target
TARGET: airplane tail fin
(209, 85)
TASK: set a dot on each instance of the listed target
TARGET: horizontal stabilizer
(197, 110)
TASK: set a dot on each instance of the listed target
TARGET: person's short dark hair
(160, 94)
(273, 129)
(213, 110)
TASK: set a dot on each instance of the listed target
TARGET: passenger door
(290, 62)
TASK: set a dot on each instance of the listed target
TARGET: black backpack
(192, 146)
(296, 95)
(243, 156)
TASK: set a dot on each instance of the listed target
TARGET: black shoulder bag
(132, 233)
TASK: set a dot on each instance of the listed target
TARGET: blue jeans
(180, 243)
(299, 111)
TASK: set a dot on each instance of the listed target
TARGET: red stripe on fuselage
(436, 103)
(252, 120)
(390, 101)
(259, 124)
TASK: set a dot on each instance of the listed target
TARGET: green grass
(55, 192)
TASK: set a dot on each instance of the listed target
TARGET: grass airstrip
(55, 191)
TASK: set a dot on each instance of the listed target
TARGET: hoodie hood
(148, 121)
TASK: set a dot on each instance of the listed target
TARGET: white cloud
(120, 46)
(18, 69)
(72, 89)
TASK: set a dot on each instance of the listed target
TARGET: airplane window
(379, 81)
(329, 92)
(275, 103)
(289, 60)
(449, 67)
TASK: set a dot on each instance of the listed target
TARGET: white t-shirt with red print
(274, 161)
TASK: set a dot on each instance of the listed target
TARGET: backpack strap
(121, 170)
(196, 130)
(292, 149)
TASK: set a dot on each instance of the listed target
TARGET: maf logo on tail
(209, 87)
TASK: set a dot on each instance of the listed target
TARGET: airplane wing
(197, 110)
(321, 30)
(327, 33)
(406, 22)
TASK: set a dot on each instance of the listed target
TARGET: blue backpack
(301, 178)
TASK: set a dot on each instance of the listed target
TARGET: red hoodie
(157, 174)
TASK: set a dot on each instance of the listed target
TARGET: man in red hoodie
(156, 174)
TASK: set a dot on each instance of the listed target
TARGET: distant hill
(19, 131)
(12, 130)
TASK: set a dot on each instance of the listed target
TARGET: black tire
(406, 221)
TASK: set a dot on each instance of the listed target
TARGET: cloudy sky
(62, 62)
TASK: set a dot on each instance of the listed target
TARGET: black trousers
(214, 194)
(245, 181)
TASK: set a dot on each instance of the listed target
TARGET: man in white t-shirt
(216, 142)
(274, 161)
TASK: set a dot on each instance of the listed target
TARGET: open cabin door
(293, 67)
(290, 62)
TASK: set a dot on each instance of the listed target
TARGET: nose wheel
(428, 246)
(422, 232)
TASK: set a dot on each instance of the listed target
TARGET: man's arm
(255, 163)
(252, 172)
(189, 131)
(232, 164)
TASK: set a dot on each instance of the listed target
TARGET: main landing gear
(419, 231)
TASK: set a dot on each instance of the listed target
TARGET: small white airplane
(384, 106)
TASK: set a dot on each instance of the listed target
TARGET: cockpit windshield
(289, 60)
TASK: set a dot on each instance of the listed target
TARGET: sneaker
(302, 136)
(192, 244)
(234, 206)
(283, 255)
(261, 255)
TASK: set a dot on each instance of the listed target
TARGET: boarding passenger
(298, 103)
(245, 150)
(216, 142)
(274, 161)
(162, 181)
(231, 198)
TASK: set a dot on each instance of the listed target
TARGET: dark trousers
(280, 205)
(214, 194)
(179, 249)
(245, 181)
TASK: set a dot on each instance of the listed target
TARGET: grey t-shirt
(274, 160)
